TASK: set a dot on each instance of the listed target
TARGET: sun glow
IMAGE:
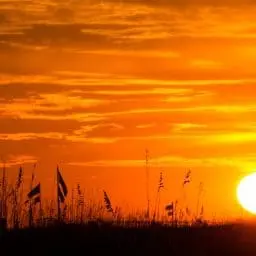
(246, 193)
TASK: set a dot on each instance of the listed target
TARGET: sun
(246, 193)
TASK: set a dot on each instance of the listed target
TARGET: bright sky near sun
(90, 84)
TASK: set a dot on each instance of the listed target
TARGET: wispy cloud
(174, 161)
(14, 160)
(30, 136)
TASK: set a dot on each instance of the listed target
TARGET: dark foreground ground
(105, 239)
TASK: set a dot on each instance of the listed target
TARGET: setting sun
(246, 192)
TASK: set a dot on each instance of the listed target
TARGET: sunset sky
(90, 84)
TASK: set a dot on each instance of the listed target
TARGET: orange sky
(90, 84)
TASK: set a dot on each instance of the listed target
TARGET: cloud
(171, 161)
(118, 26)
(28, 126)
(30, 136)
(188, 126)
(148, 54)
(98, 113)
(14, 160)
(184, 3)
(145, 126)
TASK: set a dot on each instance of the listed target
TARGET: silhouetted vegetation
(20, 211)
(76, 227)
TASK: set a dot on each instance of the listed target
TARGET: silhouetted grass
(82, 228)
